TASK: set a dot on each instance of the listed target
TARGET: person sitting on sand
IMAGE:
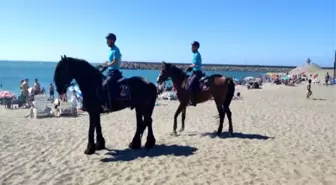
(309, 89)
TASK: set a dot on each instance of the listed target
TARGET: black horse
(134, 92)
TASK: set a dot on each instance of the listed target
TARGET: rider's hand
(105, 64)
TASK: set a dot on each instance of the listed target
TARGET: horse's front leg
(91, 146)
(177, 113)
(183, 118)
(100, 145)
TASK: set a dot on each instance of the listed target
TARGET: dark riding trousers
(112, 76)
(194, 84)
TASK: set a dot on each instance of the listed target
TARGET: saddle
(199, 87)
(118, 90)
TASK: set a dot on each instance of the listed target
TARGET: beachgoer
(327, 77)
(37, 87)
(51, 92)
(42, 91)
(113, 64)
(196, 67)
(309, 89)
(24, 89)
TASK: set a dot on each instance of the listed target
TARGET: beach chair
(67, 109)
(40, 108)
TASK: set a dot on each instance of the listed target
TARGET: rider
(196, 67)
(113, 64)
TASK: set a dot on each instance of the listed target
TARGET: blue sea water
(12, 72)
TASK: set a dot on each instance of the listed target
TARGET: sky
(265, 32)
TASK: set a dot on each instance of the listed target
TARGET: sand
(281, 138)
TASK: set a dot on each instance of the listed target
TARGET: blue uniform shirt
(197, 60)
(115, 54)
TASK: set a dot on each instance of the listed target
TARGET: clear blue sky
(230, 31)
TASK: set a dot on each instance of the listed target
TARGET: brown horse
(220, 88)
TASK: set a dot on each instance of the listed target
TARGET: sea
(12, 72)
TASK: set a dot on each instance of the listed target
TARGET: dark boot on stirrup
(193, 100)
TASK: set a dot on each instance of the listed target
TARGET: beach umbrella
(6, 94)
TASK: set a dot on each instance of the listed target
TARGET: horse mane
(178, 71)
(80, 64)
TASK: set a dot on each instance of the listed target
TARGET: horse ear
(65, 56)
(62, 57)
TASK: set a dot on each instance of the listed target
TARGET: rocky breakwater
(209, 67)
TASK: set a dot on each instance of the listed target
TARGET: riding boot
(103, 104)
(193, 100)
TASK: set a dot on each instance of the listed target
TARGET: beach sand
(280, 138)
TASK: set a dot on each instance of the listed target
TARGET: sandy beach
(280, 138)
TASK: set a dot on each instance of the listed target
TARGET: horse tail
(230, 92)
(153, 90)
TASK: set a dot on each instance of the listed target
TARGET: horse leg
(140, 128)
(226, 106)
(91, 146)
(229, 114)
(150, 137)
(178, 111)
(221, 118)
(100, 145)
(183, 118)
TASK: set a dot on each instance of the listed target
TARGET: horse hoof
(100, 145)
(231, 134)
(150, 144)
(90, 149)
(181, 130)
(218, 133)
(174, 133)
(134, 145)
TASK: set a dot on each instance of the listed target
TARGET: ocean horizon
(12, 72)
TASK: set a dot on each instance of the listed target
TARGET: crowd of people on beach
(27, 93)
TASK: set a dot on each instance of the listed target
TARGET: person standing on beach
(113, 64)
(309, 89)
(327, 77)
(196, 67)
(24, 90)
(51, 92)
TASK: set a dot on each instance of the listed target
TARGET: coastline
(137, 65)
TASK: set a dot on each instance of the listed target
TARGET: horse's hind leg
(148, 121)
(100, 145)
(229, 114)
(221, 118)
(150, 137)
(183, 118)
(226, 106)
(136, 141)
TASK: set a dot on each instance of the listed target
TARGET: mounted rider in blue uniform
(113, 64)
(196, 67)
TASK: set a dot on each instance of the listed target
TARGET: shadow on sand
(225, 135)
(319, 99)
(159, 150)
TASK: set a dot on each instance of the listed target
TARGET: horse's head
(165, 73)
(63, 75)
(170, 71)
